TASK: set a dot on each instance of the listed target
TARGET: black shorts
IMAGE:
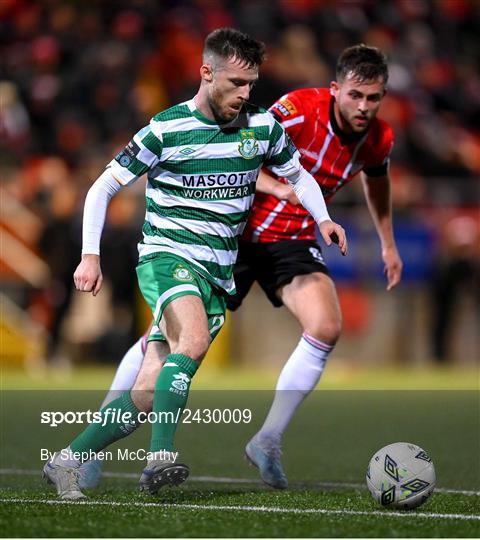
(273, 264)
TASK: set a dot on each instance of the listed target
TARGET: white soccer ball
(401, 475)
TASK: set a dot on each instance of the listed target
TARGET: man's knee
(193, 346)
(327, 330)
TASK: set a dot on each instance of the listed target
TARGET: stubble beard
(219, 118)
(350, 122)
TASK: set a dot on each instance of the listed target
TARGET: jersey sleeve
(380, 158)
(140, 155)
(289, 111)
(282, 158)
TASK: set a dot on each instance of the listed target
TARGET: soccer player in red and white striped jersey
(338, 136)
(332, 156)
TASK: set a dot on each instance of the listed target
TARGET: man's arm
(88, 275)
(138, 157)
(311, 197)
(378, 197)
(271, 186)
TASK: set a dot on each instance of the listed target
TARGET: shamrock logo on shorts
(182, 274)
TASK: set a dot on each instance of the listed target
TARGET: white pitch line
(437, 489)
(227, 480)
(263, 509)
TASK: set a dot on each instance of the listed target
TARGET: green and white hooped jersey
(201, 182)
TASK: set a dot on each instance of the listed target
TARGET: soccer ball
(401, 475)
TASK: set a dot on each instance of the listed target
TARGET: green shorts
(166, 277)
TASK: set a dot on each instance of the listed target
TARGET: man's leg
(62, 470)
(185, 307)
(185, 326)
(90, 472)
(312, 299)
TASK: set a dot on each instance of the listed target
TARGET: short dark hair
(363, 62)
(230, 43)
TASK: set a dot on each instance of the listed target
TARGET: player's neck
(203, 106)
(336, 118)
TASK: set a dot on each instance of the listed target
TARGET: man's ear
(206, 73)
(334, 88)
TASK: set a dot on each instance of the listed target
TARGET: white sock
(127, 371)
(298, 378)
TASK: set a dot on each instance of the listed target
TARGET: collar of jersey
(199, 116)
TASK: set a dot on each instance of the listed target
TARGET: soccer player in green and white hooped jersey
(201, 183)
(202, 159)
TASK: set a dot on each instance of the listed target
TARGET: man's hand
(88, 275)
(332, 232)
(284, 192)
(393, 267)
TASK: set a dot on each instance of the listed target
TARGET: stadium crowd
(77, 79)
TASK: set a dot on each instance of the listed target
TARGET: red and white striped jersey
(332, 157)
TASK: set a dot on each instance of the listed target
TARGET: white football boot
(65, 479)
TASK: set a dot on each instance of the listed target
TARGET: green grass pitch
(326, 451)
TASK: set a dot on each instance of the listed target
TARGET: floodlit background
(78, 79)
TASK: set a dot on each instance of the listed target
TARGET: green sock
(170, 397)
(96, 436)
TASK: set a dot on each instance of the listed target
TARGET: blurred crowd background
(79, 78)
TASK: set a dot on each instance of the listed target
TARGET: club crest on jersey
(182, 274)
(248, 147)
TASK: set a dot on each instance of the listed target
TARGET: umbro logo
(187, 151)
